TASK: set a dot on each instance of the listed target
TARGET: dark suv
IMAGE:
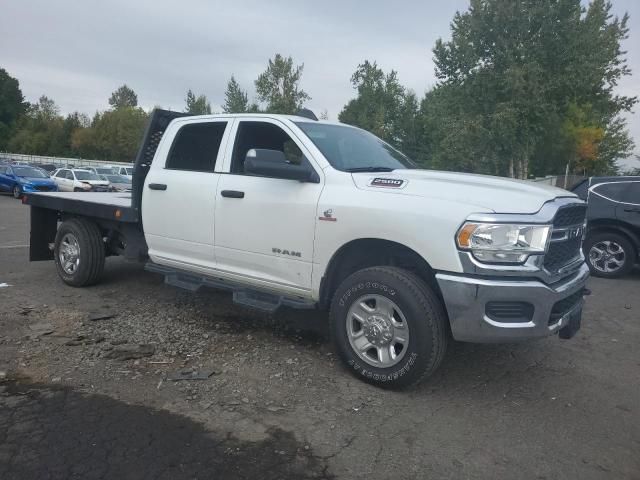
(612, 241)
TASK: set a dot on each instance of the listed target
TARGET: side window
(3, 170)
(195, 147)
(263, 135)
(69, 175)
(611, 191)
(632, 193)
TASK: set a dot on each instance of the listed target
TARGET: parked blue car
(19, 179)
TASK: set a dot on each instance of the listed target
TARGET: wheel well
(372, 252)
(618, 229)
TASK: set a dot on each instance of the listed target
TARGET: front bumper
(466, 298)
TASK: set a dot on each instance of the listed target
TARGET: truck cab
(288, 210)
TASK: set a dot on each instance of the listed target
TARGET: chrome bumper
(466, 298)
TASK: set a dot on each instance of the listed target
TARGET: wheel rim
(377, 330)
(607, 256)
(69, 254)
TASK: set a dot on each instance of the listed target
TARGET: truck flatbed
(105, 205)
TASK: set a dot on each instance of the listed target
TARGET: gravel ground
(105, 376)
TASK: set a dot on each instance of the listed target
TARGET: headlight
(501, 242)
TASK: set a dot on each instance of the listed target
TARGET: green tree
(12, 106)
(113, 135)
(40, 131)
(235, 99)
(197, 105)
(384, 107)
(509, 75)
(278, 86)
(123, 97)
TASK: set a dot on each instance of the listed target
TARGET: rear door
(629, 209)
(64, 183)
(178, 202)
(265, 227)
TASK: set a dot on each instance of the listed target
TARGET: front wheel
(389, 326)
(609, 254)
(17, 191)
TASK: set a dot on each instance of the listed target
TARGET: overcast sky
(78, 51)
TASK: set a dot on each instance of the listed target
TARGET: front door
(178, 203)
(265, 226)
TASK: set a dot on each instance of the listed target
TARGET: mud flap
(573, 325)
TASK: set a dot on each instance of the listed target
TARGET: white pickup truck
(288, 210)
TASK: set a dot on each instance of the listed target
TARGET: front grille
(43, 188)
(509, 312)
(563, 252)
(99, 189)
(570, 215)
(562, 307)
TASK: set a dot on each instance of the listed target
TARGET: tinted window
(2, 169)
(68, 175)
(195, 147)
(84, 175)
(263, 135)
(611, 191)
(632, 193)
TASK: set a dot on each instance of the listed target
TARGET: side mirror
(273, 163)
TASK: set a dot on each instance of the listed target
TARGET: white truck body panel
(191, 226)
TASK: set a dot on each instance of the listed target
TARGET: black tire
(76, 189)
(619, 243)
(424, 315)
(17, 192)
(91, 254)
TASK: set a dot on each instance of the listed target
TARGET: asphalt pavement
(277, 404)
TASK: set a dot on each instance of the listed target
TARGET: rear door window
(195, 147)
(611, 191)
(632, 193)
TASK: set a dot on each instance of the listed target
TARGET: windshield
(82, 175)
(352, 149)
(117, 179)
(104, 171)
(29, 172)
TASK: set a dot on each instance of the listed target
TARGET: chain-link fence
(57, 161)
(562, 181)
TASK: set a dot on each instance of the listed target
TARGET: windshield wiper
(370, 169)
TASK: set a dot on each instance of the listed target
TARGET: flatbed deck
(104, 205)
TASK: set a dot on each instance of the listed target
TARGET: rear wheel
(79, 252)
(389, 326)
(17, 191)
(609, 254)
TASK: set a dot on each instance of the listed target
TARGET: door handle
(232, 194)
(157, 186)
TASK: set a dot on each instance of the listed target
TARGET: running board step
(259, 300)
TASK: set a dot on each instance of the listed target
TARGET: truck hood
(497, 194)
(37, 180)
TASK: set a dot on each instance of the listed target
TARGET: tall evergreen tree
(279, 86)
(197, 105)
(123, 97)
(12, 106)
(235, 99)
